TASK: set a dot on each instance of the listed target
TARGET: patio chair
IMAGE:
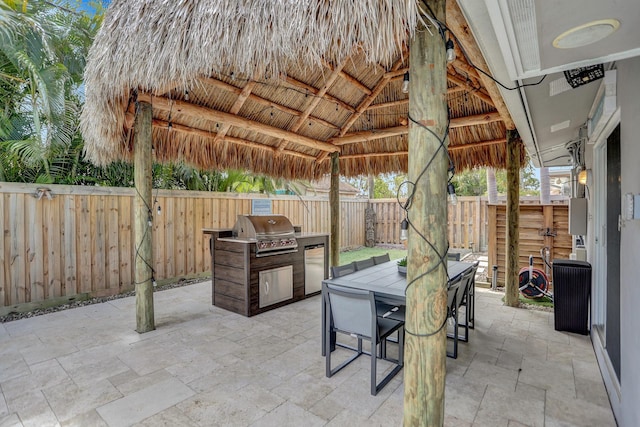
(468, 299)
(342, 270)
(365, 263)
(353, 312)
(464, 298)
(381, 259)
(452, 311)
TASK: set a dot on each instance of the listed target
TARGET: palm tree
(42, 50)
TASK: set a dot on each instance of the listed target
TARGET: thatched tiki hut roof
(273, 87)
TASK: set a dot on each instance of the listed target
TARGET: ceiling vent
(558, 86)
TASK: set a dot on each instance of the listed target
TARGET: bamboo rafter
(258, 99)
(196, 111)
(475, 91)
(313, 91)
(235, 108)
(313, 103)
(190, 130)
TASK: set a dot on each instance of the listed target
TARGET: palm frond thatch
(272, 87)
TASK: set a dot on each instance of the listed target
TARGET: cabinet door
(276, 285)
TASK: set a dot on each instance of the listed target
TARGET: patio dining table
(386, 282)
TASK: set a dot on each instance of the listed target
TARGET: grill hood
(273, 233)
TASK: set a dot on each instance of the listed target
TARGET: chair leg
(471, 305)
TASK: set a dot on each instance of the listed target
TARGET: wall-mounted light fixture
(583, 176)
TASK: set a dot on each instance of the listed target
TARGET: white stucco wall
(628, 92)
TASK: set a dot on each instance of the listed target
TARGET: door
(612, 242)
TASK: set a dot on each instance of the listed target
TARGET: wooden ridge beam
(263, 101)
(200, 112)
(388, 104)
(177, 127)
(379, 154)
(477, 119)
(404, 152)
(369, 135)
(458, 24)
(477, 144)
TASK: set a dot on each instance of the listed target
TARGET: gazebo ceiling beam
(382, 83)
(458, 24)
(349, 78)
(178, 127)
(463, 66)
(396, 73)
(313, 103)
(478, 144)
(313, 91)
(263, 101)
(463, 75)
(370, 135)
(475, 91)
(200, 112)
(235, 108)
(404, 152)
(388, 104)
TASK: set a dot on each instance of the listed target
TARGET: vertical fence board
(35, 236)
(98, 240)
(169, 267)
(83, 244)
(198, 237)
(113, 245)
(17, 260)
(124, 243)
(179, 242)
(189, 240)
(69, 282)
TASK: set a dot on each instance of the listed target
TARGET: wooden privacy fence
(467, 222)
(69, 240)
(540, 226)
(73, 240)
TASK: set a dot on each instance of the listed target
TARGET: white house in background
(585, 114)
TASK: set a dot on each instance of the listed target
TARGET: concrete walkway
(204, 366)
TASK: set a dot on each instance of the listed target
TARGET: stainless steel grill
(274, 234)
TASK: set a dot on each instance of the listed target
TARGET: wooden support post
(334, 207)
(514, 145)
(143, 216)
(425, 343)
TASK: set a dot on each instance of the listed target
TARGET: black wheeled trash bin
(571, 291)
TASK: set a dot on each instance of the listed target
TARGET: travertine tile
(144, 403)
(267, 369)
(562, 410)
(289, 415)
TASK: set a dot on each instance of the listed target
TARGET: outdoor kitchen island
(251, 275)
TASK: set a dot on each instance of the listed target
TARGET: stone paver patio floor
(204, 366)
